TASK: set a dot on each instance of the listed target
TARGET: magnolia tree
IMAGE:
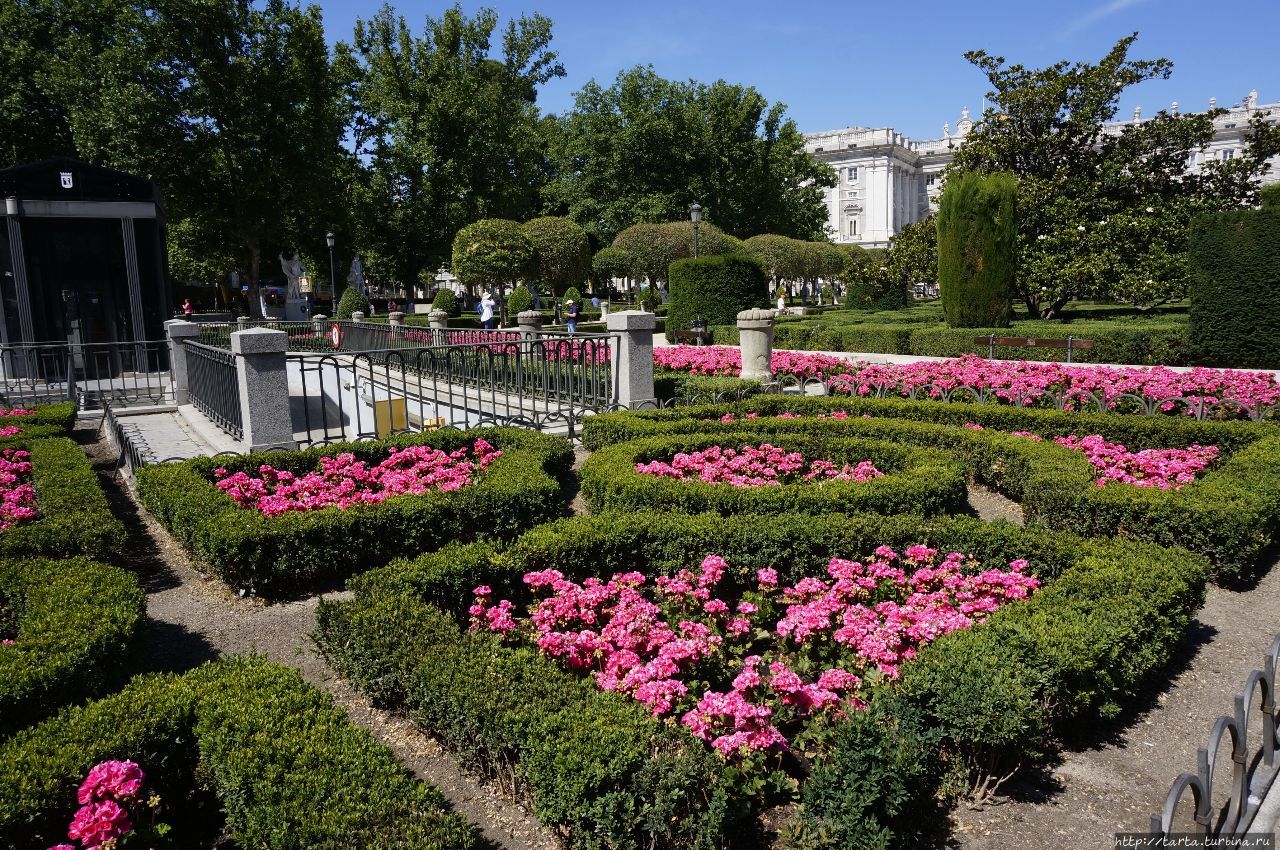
(1104, 212)
(561, 252)
(491, 253)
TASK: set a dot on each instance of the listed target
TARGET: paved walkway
(176, 434)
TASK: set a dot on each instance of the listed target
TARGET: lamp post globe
(333, 279)
(695, 215)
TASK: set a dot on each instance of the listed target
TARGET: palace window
(852, 174)
(1229, 153)
(852, 227)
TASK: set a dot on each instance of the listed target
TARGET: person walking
(187, 310)
(782, 303)
(571, 316)
(486, 310)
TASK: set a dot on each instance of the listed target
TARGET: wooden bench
(1071, 344)
(693, 337)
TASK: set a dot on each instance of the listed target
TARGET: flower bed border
(46, 420)
(75, 517)
(1231, 515)
(274, 749)
(80, 633)
(916, 480)
(273, 556)
(1083, 646)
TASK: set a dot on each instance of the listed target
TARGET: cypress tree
(977, 229)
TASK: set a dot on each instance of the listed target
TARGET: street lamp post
(695, 215)
(333, 279)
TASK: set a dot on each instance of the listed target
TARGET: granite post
(530, 324)
(755, 338)
(631, 347)
(179, 332)
(439, 321)
(262, 374)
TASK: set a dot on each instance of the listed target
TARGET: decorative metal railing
(122, 374)
(1253, 766)
(214, 387)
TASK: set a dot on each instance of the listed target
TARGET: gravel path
(193, 619)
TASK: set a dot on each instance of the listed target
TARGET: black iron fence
(1251, 732)
(213, 386)
(94, 375)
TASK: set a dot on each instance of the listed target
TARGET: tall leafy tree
(1103, 212)
(645, 148)
(448, 132)
(561, 250)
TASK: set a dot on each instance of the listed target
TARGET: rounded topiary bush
(352, 301)
(915, 480)
(447, 301)
(572, 294)
(977, 232)
(520, 300)
(714, 289)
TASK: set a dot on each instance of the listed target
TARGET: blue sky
(837, 64)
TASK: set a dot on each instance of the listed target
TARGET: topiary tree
(779, 256)
(572, 294)
(715, 289)
(1235, 287)
(977, 229)
(652, 249)
(609, 263)
(446, 300)
(352, 301)
(491, 253)
(519, 300)
(561, 252)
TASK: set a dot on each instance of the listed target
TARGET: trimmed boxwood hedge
(286, 765)
(277, 555)
(57, 418)
(715, 289)
(915, 480)
(1109, 618)
(80, 626)
(596, 765)
(1232, 514)
(75, 518)
(1235, 287)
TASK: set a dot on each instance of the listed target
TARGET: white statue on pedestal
(295, 303)
(356, 276)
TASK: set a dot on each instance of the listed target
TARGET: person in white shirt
(486, 310)
(782, 304)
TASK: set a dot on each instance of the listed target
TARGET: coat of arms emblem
(66, 179)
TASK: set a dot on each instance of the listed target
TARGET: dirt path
(192, 619)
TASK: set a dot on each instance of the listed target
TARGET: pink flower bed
(724, 360)
(1168, 469)
(753, 673)
(754, 466)
(343, 481)
(15, 411)
(17, 496)
(106, 796)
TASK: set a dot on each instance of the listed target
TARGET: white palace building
(886, 181)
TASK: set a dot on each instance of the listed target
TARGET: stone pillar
(242, 322)
(439, 321)
(530, 324)
(357, 317)
(179, 331)
(317, 324)
(396, 319)
(755, 338)
(264, 388)
(632, 354)
(604, 310)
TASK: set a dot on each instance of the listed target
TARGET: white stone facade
(886, 180)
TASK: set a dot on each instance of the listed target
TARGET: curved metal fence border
(1253, 771)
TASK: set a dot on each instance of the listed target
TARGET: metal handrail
(213, 386)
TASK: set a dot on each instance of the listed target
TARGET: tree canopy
(561, 252)
(491, 253)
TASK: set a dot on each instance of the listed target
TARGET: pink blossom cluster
(835, 414)
(1017, 381)
(15, 411)
(726, 360)
(343, 481)
(104, 797)
(729, 666)
(17, 496)
(1168, 469)
(10, 431)
(754, 466)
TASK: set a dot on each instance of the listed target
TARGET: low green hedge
(915, 480)
(704, 389)
(80, 626)
(57, 418)
(596, 766)
(287, 767)
(276, 555)
(1108, 619)
(75, 518)
(1231, 515)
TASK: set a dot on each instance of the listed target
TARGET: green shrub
(519, 300)
(276, 555)
(714, 289)
(75, 518)
(596, 766)
(286, 765)
(51, 419)
(1231, 515)
(702, 389)
(352, 301)
(1235, 290)
(915, 480)
(80, 626)
(977, 234)
(1271, 197)
(446, 300)
(572, 294)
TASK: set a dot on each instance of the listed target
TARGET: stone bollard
(242, 323)
(396, 319)
(357, 317)
(317, 324)
(632, 354)
(179, 332)
(439, 322)
(604, 310)
(262, 373)
(755, 338)
(529, 323)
